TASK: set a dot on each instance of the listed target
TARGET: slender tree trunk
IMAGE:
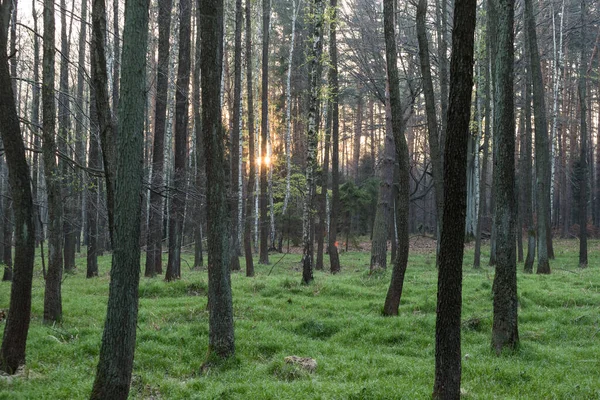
(251, 151)
(113, 377)
(333, 112)
(116, 61)
(394, 294)
(505, 334)
(200, 167)
(221, 335)
(447, 330)
(235, 137)
(63, 138)
(264, 132)
(384, 202)
(181, 140)
(527, 179)
(52, 294)
(312, 142)
(105, 123)
(12, 351)
(583, 180)
(542, 150)
(155, 232)
(92, 191)
(432, 126)
(321, 228)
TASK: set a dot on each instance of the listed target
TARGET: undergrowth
(337, 321)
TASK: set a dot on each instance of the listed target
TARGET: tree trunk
(221, 335)
(542, 156)
(583, 180)
(155, 232)
(264, 132)
(432, 126)
(394, 294)
(199, 178)
(334, 259)
(113, 377)
(92, 191)
(505, 334)
(181, 140)
(52, 294)
(12, 351)
(527, 179)
(384, 207)
(235, 138)
(312, 137)
(105, 123)
(447, 330)
(251, 151)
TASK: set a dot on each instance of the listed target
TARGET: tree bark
(52, 294)
(583, 181)
(181, 140)
(221, 342)
(264, 132)
(542, 156)
(447, 329)
(113, 377)
(155, 220)
(251, 151)
(334, 259)
(505, 334)
(12, 351)
(312, 142)
(235, 137)
(394, 294)
(200, 167)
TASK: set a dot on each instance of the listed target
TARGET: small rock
(307, 363)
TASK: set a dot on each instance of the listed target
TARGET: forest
(299, 199)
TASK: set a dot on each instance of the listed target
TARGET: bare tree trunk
(394, 294)
(155, 220)
(113, 377)
(542, 150)
(200, 167)
(447, 330)
(235, 138)
(505, 334)
(264, 132)
(52, 294)
(334, 260)
(181, 142)
(583, 181)
(312, 137)
(251, 151)
(105, 123)
(92, 192)
(221, 343)
(12, 351)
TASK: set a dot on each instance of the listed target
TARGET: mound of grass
(337, 321)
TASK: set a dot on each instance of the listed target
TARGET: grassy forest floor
(337, 321)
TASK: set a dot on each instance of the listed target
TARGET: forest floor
(337, 321)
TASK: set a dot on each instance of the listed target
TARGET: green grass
(337, 320)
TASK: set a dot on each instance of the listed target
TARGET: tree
(12, 351)
(334, 259)
(505, 332)
(312, 141)
(52, 294)
(235, 138)
(181, 127)
(154, 247)
(542, 150)
(113, 376)
(251, 151)
(392, 300)
(447, 327)
(432, 126)
(199, 178)
(264, 132)
(527, 168)
(221, 342)
(583, 250)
